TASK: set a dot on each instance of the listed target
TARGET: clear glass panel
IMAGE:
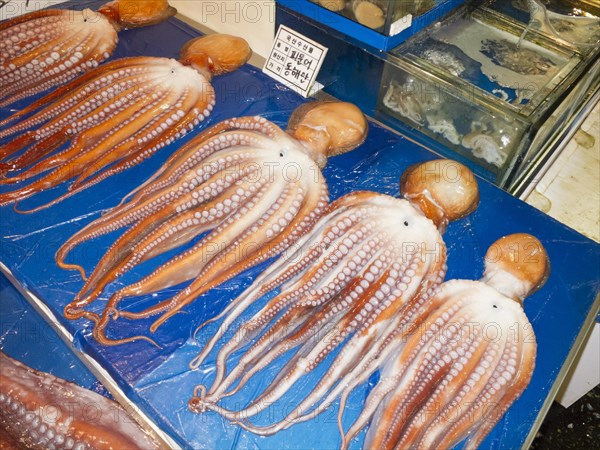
(485, 136)
(574, 23)
(493, 57)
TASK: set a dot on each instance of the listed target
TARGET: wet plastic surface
(26, 336)
(159, 381)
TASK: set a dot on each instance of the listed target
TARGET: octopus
(253, 188)
(41, 411)
(444, 126)
(369, 265)
(113, 118)
(404, 99)
(485, 146)
(471, 356)
(524, 61)
(47, 48)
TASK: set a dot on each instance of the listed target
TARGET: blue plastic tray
(159, 381)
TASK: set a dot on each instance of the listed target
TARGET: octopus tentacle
(218, 137)
(220, 269)
(36, 151)
(134, 154)
(190, 155)
(451, 380)
(150, 237)
(16, 23)
(87, 108)
(188, 264)
(151, 200)
(249, 154)
(78, 91)
(373, 279)
(115, 118)
(342, 378)
(315, 350)
(91, 133)
(314, 289)
(161, 123)
(48, 48)
(278, 273)
(44, 62)
(230, 262)
(330, 296)
(84, 151)
(26, 396)
(101, 83)
(359, 297)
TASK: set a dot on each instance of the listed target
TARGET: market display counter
(158, 380)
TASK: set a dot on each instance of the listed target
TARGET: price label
(401, 24)
(295, 60)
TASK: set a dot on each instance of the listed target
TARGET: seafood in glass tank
(578, 28)
(484, 146)
(520, 60)
(404, 100)
(332, 5)
(444, 60)
(444, 127)
(370, 13)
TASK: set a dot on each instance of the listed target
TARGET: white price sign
(295, 60)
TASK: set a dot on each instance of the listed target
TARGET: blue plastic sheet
(159, 381)
(26, 336)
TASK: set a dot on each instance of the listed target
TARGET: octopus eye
(281, 154)
(405, 223)
(495, 306)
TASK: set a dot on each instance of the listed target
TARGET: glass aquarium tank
(489, 86)
(575, 24)
(381, 24)
(385, 16)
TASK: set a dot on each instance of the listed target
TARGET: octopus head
(516, 265)
(137, 13)
(215, 54)
(444, 190)
(328, 128)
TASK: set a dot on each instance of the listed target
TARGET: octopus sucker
(114, 117)
(449, 380)
(40, 411)
(230, 182)
(47, 48)
(369, 263)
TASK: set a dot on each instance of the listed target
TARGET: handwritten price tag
(295, 60)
